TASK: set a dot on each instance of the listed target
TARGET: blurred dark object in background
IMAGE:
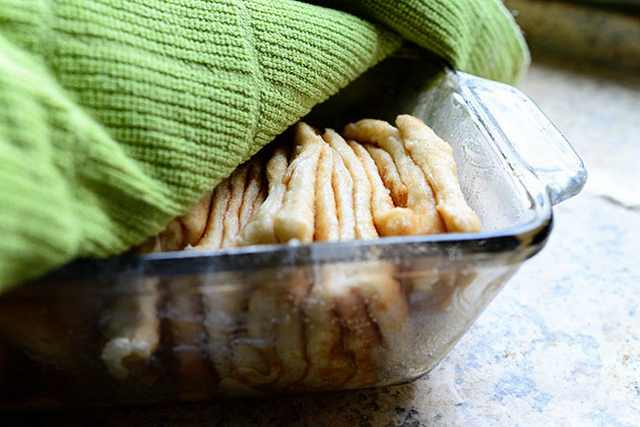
(606, 32)
(629, 5)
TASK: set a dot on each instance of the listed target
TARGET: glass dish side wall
(283, 330)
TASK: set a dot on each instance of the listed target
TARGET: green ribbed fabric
(475, 36)
(116, 115)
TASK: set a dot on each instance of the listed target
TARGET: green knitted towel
(116, 115)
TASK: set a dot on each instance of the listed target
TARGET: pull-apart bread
(312, 327)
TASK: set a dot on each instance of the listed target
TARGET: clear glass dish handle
(530, 135)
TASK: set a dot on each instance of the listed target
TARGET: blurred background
(603, 32)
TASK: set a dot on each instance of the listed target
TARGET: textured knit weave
(472, 35)
(116, 115)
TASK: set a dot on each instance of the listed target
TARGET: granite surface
(559, 346)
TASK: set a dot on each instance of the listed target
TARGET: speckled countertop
(559, 346)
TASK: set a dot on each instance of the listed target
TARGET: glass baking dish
(261, 320)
